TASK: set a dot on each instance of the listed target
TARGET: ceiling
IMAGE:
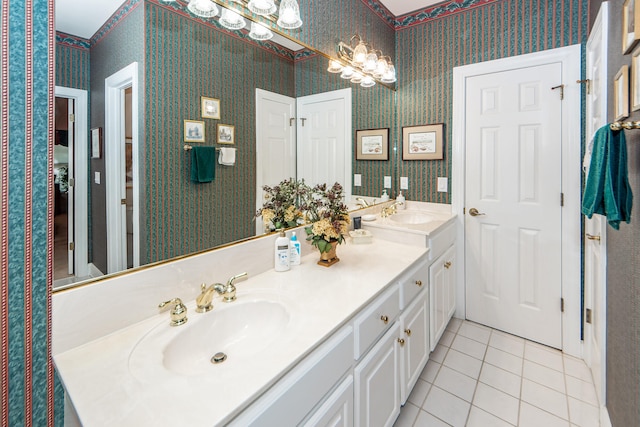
(83, 18)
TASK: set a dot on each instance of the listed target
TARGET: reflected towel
(203, 164)
(227, 156)
(607, 191)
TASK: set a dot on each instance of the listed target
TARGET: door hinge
(72, 246)
(561, 87)
(561, 199)
(588, 316)
(302, 120)
(292, 121)
(562, 305)
(72, 118)
(123, 201)
(464, 211)
(72, 182)
(586, 82)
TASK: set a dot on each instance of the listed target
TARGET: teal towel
(607, 191)
(203, 164)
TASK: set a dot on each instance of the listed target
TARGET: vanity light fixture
(203, 8)
(260, 32)
(262, 7)
(289, 15)
(362, 64)
(231, 20)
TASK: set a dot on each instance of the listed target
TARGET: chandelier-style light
(362, 64)
(260, 32)
(231, 20)
(262, 7)
(203, 8)
(289, 15)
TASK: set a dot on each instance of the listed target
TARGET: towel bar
(188, 147)
(625, 125)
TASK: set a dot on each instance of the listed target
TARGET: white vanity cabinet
(442, 284)
(414, 344)
(337, 410)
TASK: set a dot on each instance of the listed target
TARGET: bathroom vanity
(342, 345)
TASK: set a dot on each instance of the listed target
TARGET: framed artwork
(193, 131)
(372, 144)
(630, 25)
(226, 134)
(209, 108)
(422, 142)
(96, 143)
(635, 80)
(621, 94)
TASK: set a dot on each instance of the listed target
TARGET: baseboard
(605, 421)
(94, 271)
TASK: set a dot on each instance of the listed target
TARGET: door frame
(80, 177)
(570, 58)
(114, 140)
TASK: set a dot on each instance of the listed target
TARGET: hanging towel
(227, 156)
(607, 191)
(203, 161)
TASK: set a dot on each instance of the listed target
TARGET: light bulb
(360, 54)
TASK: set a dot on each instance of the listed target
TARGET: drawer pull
(408, 332)
(447, 264)
(401, 341)
(385, 319)
(419, 282)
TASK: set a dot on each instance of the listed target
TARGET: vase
(327, 259)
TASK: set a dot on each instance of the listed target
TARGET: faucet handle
(237, 277)
(178, 313)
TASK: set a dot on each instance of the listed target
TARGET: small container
(357, 222)
(402, 203)
(282, 252)
(385, 196)
(294, 247)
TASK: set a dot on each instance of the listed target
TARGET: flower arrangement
(329, 216)
(284, 204)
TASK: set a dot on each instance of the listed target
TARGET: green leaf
(322, 245)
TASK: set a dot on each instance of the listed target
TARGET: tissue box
(360, 236)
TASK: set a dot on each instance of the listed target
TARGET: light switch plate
(357, 180)
(96, 177)
(404, 182)
(443, 184)
(387, 182)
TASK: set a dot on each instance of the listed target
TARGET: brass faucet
(362, 202)
(228, 292)
(178, 312)
(390, 210)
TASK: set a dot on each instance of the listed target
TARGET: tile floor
(480, 377)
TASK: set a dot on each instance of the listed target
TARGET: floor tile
(530, 416)
(545, 398)
(543, 375)
(543, 356)
(506, 361)
(475, 332)
(456, 383)
(408, 415)
(469, 347)
(447, 338)
(507, 343)
(468, 365)
(480, 418)
(577, 368)
(425, 419)
(581, 390)
(447, 407)
(502, 380)
(419, 392)
(497, 403)
(430, 371)
(454, 324)
(582, 414)
(439, 353)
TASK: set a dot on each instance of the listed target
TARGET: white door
(324, 139)
(595, 228)
(514, 181)
(71, 191)
(275, 143)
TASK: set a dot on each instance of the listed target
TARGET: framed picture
(193, 131)
(422, 142)
(635, 80)
(209, 108)
(630, 25)
(96, 143)
(226, 134)
(621, 94)
(372, 144)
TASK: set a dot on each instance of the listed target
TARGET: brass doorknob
(475, 212)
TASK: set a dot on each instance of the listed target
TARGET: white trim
(569, 57)
(81, 177)
(114, 125)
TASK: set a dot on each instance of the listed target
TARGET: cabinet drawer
(441, 240)
(376, 319)
(413, 283)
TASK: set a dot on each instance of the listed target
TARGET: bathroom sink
(411, 218)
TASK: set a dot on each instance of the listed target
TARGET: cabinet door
(377, 392)
(337, 410)
(442, 290)
(450, 278)
(414, 349)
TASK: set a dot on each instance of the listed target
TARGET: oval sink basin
(411, 218)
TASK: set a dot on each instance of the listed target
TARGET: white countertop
(103, 390)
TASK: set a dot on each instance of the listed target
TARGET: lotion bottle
(402, 203)
(295, 250)
(385, 196)
(282, 252)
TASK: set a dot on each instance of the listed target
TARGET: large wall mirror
(180, 59)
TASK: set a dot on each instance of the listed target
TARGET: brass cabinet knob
(408, 332)
(385, 319)
(419, 282)
(401, 341)
(447, 264)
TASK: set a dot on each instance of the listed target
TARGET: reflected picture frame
(621, 94)
(630, 25)
(209, 108)
(96, 143)
(226, 134)
(193, 131)
(423, 142)
(635, 80)
(372, 144)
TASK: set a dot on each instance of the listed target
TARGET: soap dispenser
(401, 202)
(385, 196)
(282, 252)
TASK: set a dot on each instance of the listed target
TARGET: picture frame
(226, 134)
(635, 80)
(630, 25)
(423, 142)
(193, 131)
(372, 144)
(621, 94)
(96, 143)
(209, 108)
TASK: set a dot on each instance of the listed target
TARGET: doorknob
(474, 212)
